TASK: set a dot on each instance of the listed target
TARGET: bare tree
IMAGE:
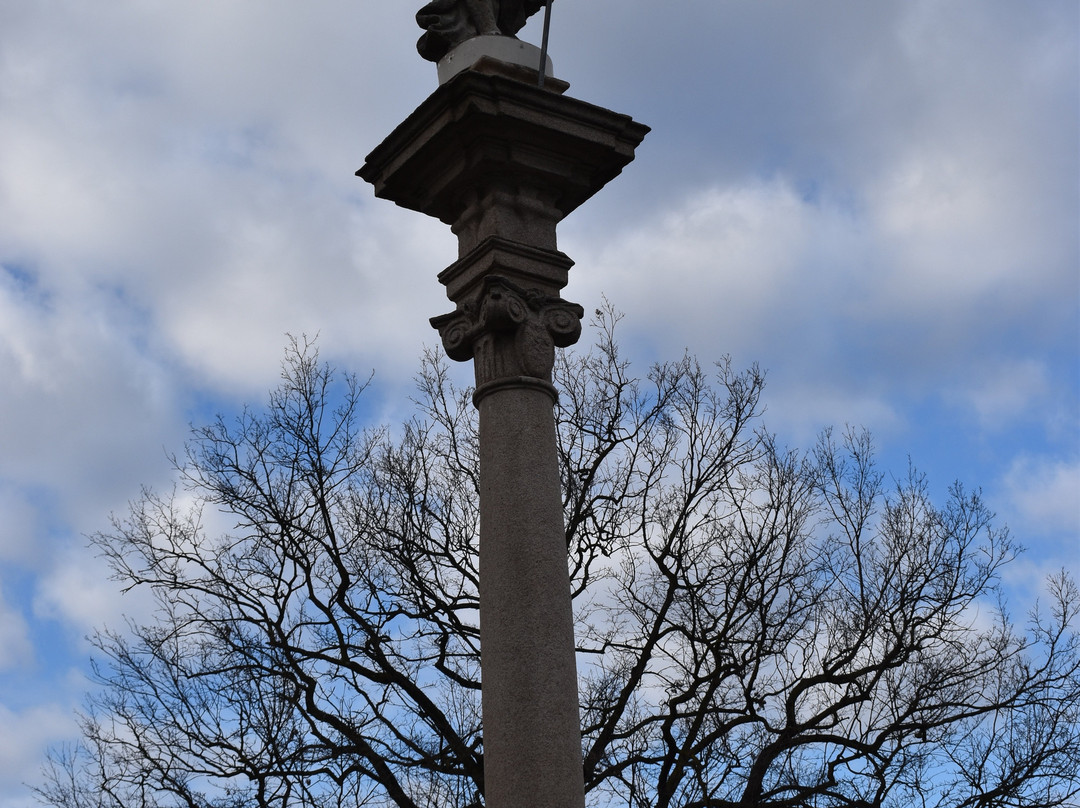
(756, 626)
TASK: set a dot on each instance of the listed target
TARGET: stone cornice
(483, 133)
(525, 265)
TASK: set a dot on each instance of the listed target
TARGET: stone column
(502, 162)
(532, 739)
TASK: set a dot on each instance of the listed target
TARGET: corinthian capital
(511, 332)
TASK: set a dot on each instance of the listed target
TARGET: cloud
(23, 743)
(16, 649)
(84, 405)
(821, 297)
(1045, 494)
(1006, 392)
(79, 596)
(914, 238)
(225, 216)
(21, 521)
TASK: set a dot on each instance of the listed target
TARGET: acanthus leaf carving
(509, 331)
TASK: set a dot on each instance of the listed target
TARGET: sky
(878, 202)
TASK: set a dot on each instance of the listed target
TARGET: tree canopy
(756, 626)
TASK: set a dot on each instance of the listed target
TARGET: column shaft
(532, 736)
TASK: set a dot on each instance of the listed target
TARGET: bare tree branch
(756, 626)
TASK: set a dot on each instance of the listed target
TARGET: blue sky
(877, 201)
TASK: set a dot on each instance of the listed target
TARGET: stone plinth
(505, 49)
(502, 162)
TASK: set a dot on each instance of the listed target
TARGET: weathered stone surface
(519, 59)
(531, 267)
(510, 332)
(532, 726)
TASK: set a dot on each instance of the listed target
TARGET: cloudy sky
(876, 201)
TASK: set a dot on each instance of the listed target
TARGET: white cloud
(814, 292)
(23, 743)
(79, 595)
(738, 270)
(20, 523)
(16, 649)
(1006, 391)
(84, 406)
(1045, 493)
(173, 171)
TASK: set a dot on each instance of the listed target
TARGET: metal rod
(544, 44)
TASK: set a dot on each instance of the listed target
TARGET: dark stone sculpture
(448, 23)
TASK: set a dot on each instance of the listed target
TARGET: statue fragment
(448, 23)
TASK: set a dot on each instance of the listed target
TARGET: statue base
(507, 49)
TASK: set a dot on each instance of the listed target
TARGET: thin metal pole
(544, 44)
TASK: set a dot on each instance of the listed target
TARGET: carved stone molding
(483, 140)
(510, 332)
